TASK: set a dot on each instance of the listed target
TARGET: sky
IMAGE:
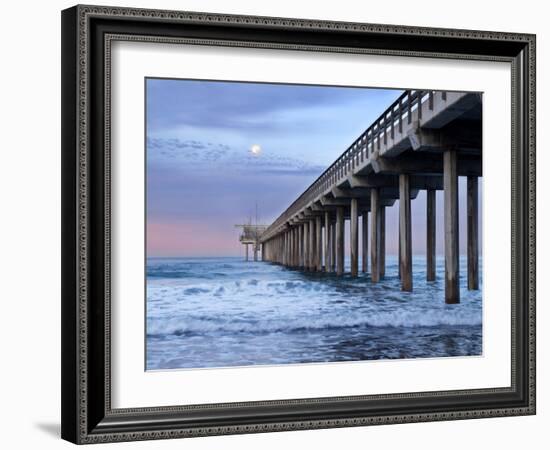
(217, 152)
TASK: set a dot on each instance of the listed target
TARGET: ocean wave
(407, 319)
(235, 287)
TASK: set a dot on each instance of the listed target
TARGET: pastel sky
(202, 177)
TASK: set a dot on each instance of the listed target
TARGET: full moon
(256, 150)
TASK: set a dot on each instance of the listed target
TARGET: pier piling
(382, 239)
(430, 235)
(326, 236)
(450, 181)
(405, 245)
(365, 241)
(473, 238)
(340, 240)
(354, 238)
(318, 245)
(375, 235)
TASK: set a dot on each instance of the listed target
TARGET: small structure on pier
(251, 235)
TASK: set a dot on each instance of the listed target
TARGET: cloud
(194, 155)
(237, 104)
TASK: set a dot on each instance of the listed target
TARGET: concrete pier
(424, 141)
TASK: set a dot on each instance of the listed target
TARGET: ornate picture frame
(88, 33)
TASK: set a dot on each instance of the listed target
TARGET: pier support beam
(306, 245)
(326, 235)
(285, 249)
(473, 233)
(289, 248)
(300, 246)
(382, 257)
(405, 246)
(332, 246)
(293, 248)
(296, 257)
(318, 244)
(246, 252)
(354, 237)
(450, 185)
(398, 248)
(430, 236)
(310, 245)
(375, 235)
(365, 241)
(311, 264)
(340, 240)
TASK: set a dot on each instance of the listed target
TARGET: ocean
(225, 312)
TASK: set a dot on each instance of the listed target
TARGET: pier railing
(390, 121)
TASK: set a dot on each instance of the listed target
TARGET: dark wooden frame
(87, 416)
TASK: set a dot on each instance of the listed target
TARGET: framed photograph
(278, 224)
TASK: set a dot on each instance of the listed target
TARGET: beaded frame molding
(87, 34)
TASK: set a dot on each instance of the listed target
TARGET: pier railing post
(430, 237)
(375, 235)
(405, 256)
(354, 237)
(473, 236)
(339, 240)
(450, 185)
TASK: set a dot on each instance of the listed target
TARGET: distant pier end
(251, 235)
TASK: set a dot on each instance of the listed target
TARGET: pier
(250, 236)
(425, 140)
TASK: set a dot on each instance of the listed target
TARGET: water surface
(222, 312)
